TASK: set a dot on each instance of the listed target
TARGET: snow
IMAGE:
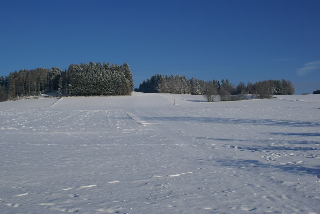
(300, 98)
(142, 154)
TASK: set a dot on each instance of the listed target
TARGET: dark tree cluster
(316, 92)
(78, 80)
(213, 89)
(25, 83)
(98, 79)
(165, 84)
(267, 88)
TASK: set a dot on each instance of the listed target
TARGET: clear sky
(240, 40)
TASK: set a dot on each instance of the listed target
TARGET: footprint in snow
(13, 205)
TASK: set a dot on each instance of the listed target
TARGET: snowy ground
(142, 154)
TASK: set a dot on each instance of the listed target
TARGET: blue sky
(238, 40)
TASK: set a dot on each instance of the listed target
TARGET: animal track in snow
(24, 194)
(113, 182)
(13, 205)
(67, 189)
(47, 204)
(86, 187)
(177, 175)
(108, 210)
(244, 208)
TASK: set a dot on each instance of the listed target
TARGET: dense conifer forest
(78, 80)
(226, 91)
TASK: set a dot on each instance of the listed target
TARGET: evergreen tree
(241, 88)
(195, 88)
(277, 87)
(60, 86)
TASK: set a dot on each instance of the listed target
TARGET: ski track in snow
(142, 154)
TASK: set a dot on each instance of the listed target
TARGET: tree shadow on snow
(287, 144)
(265, 122)
(273, 148)
(254, 164)
(297, 134)
(220, 139)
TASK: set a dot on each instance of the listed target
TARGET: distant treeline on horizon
(95, 79)
(181, 85)
(78, 80)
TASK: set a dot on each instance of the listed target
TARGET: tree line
(78, 80)
(213, 89)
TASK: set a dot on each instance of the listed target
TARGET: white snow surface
(142, 154)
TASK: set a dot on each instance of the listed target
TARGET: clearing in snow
(142, 154)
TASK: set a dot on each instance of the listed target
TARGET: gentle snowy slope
(142, 154)
(28, 104)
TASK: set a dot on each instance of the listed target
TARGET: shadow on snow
(287, 142)
(266, 122)
(298, 134)
(254, 164)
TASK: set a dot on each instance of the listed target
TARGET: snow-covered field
(142, 154)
